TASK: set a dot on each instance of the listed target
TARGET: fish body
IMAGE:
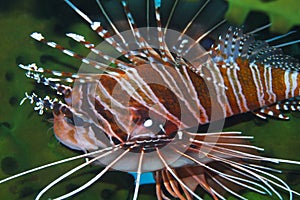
(142, 111)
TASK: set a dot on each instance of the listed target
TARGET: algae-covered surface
(284, 14)
(27, 140)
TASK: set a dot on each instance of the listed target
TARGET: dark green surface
(284, 14)
(26, 139)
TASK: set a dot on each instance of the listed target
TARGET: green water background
(26, 139)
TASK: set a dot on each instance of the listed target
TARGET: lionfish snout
(147, 144)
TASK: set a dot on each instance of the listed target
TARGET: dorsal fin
(232, 45)
(235, 44)
(272, 57)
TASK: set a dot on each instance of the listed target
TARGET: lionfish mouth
(146, 143)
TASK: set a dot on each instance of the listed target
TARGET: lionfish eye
(148, 123)
(157, 127)
(152, 125)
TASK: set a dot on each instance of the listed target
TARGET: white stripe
(160, 40)
(178, 91)
(76, 37)
(267, 82)
(104, 125)
(223, 88)
(145, 88)
(215, 72)
(56, 73)
(85, 60)
(173, 86)
(294, 82)
(157, 15)
(68, 52)
(260, 85)
(240, 91)
(131, 90)
(84, 16)
(120, 119)
(110, 40)
(194, 95)
(272, 94)
(51, 44)
(287, 83)
(37, 36)
(256, 80)
(230, 78)
(95, 25)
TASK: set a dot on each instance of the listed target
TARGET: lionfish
(140, 107)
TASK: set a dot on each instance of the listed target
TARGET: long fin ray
(56, 163)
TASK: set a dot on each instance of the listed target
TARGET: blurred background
(27, 139)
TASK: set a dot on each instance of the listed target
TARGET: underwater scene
(27, 139)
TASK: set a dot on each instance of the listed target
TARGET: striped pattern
(142, 113)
